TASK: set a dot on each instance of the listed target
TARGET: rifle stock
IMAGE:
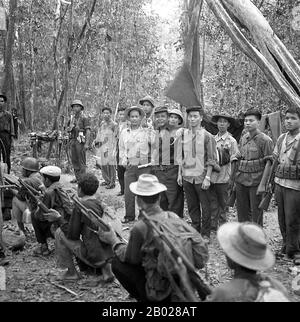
(232, 197)
(202, 289)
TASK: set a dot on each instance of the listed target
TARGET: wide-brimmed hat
(4, 97)
(134, 108)
(245, 244)
(77, 102)
(176, 112)
(147, 185)
(147, 98)
(226, 116)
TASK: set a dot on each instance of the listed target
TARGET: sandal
(296, 259)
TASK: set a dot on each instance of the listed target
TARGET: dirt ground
(35, 279)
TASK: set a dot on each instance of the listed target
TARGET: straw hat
(134, 108)
(245, 244)
(226, 116)
(147, 185)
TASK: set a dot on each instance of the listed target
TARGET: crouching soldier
(80, 239)
(44, 224)
(247, 253)
(142, 267)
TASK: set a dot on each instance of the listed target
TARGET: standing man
(7, 132)
(227, 150)
(287, 179)
(135, 148)
(197, 156)
(122, 124)
(256, 150)
(79, 131)
(165, 168)
(148, 105)
(106, 141)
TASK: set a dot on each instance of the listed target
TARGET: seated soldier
(43, 223)
(80, 239)
(137, 265)
(247, 253)
(30, 171)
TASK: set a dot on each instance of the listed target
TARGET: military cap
(51, 170)
(134, 108)
(178, 113)
(77, 102)
(147, 98)
(161, 109)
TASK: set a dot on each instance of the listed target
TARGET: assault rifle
(182, 265)
(270, 187)
(92, 216)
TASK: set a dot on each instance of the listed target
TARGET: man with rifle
(286, 175)
(81, 237)
(158, 264)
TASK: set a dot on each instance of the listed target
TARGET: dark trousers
(109, 173)
(288, 201)
(5, 149)
(121, 173)
(198, 202)
(247, 203)
(218, 204)
(132, 174)
(173, 198)
(42, 229)
(78, 157)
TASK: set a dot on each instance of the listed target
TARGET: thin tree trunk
(21, 76)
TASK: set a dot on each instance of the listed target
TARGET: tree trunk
(21, 76)
(32, 70)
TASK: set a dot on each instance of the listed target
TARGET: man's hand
(179, 180)
(107, 236)
(86, 147)
(52, 215)
(206, 184)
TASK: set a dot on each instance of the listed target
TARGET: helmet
(30, 164)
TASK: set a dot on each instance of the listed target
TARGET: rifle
(92, 216)
(265, 202)
(232, 193)
(175, 254)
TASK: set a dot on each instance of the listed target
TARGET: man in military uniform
(227, 150)
(135, 150)
(255, 151)
(79, 131)
(165, 167)
(148, 105)
(247, 253)
(287, 179)
(7, 132)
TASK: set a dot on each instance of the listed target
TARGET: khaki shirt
(225, 141)
(286, 154)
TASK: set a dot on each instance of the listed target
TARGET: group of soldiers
(158, 162)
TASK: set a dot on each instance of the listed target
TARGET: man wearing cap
(197, 156)
(131, 262)
(227, 150)
(164, 166)
(135, 149)
(79, 131)
(256, 149)
(175, 120)
(148, 105)
(247, 254)
(32, 177)
(44, 224)
(106, 143)
(7, 132)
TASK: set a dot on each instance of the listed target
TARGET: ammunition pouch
(291, 172)
(252, 166)
(224, 156)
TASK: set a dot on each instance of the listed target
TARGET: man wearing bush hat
(247, 254)
(79, 129)
(148, 105)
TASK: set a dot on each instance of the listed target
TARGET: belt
(165, 167)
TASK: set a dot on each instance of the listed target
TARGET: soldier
(247, 253)
(148, 105)
(80, 239)
(165, 167)
(106, 141)
(175, 121)
(135, 149)
(79, 131)
(227, 150)
(7, 132)
(256, 150)
(197, 157)
(136, 265)
(30, 171)
(287, 179)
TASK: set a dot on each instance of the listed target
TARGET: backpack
(267, 293)
(155, 262)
